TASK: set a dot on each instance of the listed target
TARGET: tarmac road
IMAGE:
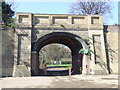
(75, 81)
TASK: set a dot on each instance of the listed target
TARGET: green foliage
(66, 62)
(65, 66)
(44, 61)
(54, 52)
(62, 65)
(10, 24)
(81, 51)
(7, 13)
(87, 41)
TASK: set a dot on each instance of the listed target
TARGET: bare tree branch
(90, 7)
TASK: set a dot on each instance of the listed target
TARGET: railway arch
(37, 30)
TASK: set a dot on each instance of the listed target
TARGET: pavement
(74, 81)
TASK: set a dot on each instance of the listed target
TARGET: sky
(119, 13)
(60, 7)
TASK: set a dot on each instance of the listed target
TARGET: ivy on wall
(81, 51)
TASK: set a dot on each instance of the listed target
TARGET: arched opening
(75, 43)
(55, 59)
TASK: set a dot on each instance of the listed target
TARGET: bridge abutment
(83, 27)
(35, 63)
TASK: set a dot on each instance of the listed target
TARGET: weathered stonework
(7, 52)
(34, 31)
(80, 25)
(23, 47)
(112, 47)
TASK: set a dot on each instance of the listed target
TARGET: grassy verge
(65, 66)
(58, 65)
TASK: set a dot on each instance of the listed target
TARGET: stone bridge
(34, 31)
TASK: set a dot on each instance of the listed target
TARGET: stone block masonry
(35, 31)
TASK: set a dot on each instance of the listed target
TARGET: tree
(54, 52)
(88, 7)
(7, 14)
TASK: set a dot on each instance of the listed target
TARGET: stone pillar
(70, 19)
(51, 20)
(19, 50)
(104, 57)
(88, 65)
(76, 63)
(69, 71)
(84, 63)
(34, 63)
(91, 66)
(45, 69)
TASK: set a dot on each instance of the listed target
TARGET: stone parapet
(59, 21)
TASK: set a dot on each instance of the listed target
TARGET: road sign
(85, 51)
